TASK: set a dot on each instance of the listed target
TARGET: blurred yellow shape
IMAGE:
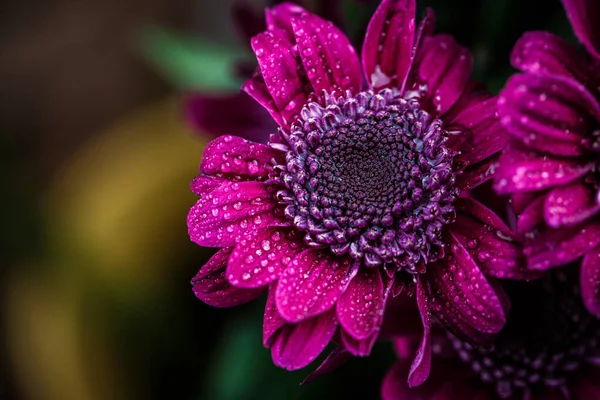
(55, 354)
(115, 225)
(120, 206)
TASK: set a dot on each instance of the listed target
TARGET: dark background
(96, 301)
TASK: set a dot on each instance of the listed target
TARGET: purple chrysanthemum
(552, 166)
(548, 350)
(361, 193)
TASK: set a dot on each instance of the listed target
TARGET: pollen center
(369, 175)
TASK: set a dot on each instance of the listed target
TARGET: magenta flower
(547, 351)
(358, 195)
(552, 112)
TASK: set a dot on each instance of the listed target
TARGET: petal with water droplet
(261, 256)
(279, 68)
(361, 305)
(202, 184)
(311, 284)
(210, 285)
(280, 17)
(443, 67)
(232, 156)
(297, 345)
(489, 241)
(487, 136)
(571, 204)
(477, 174)
(387, 51)
(462, 298)
(555, 247)
(549, 113)
(221, 217)
(541, 52)
(329, 59)
(521, 170)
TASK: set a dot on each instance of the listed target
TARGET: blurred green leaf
(238, 362)
(190, 63)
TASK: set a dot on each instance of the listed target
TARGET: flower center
(548, 335)
(369, 176)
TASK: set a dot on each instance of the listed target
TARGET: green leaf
(190, 63)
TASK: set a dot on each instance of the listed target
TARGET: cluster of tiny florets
(369, 175)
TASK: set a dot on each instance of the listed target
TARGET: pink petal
(338, 356)
(584, 16)
(550, 113)
(519, 170)
(362, 347)
(272, 321)
(489, 241)
(279, 67)
(570, 204)
(590, 281)
(425, 29)
(212, 114)
(358, 347)
(532, 215)
(329, 59)
(444, 68)
(487, 136)
(361, 305)
(477, 174)
(462, 298)
(520, 201)
(297, 345)
(545, 53)
(556, 247)
(202, 184)
(222, 217)
(260, 257)
(473, 94)
(280, 17)
(210, 285)
(387, 51)
(311, 284)
(257, 89)
(232, 156)
(421, 365)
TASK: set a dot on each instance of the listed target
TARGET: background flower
(552, 112)
(548, 350)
